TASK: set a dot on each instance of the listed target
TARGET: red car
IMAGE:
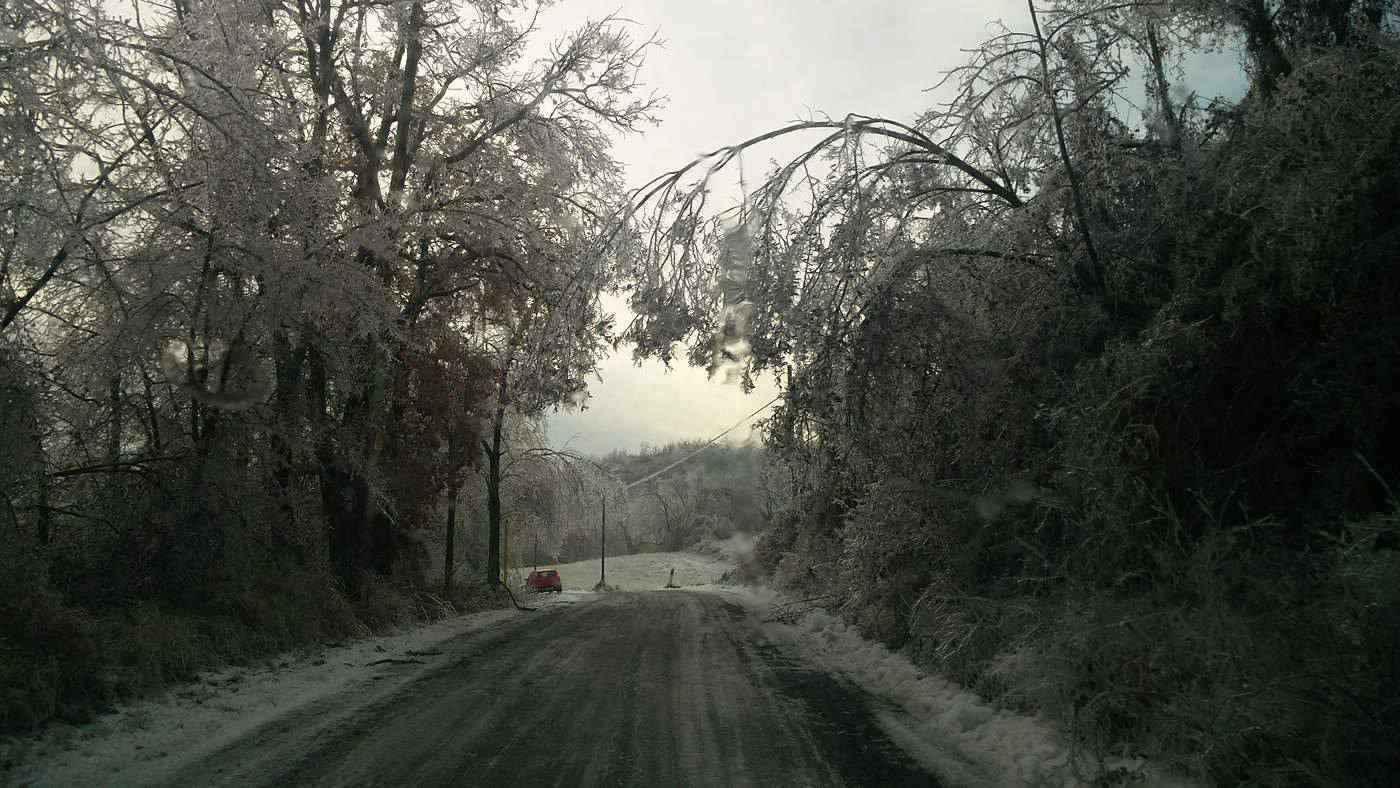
(542, 580)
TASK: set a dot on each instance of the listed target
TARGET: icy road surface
(711, 685)
(634, 688)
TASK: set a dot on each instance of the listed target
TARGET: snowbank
(141, 741)
(951, 730)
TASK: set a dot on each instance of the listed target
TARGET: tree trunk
(288, 365)
(359, 533)
(377, 528)
(1091, 271)
(454, 488)
(450, 549)
(1261, 39)
(45, 514)
(665, 519)
(339, 493)
(344, 498)
(493, 497)
(114, 433)
(1164, 100)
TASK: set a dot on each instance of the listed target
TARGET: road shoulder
(145, 739)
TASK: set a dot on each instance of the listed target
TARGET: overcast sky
(733, 69)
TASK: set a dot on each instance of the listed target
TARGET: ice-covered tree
(264, 266)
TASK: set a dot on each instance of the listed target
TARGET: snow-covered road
(650, 688)
(699, 686)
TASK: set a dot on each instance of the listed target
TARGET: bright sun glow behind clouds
(649, 404)
(733, 69)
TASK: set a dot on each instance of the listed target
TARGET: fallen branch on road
(506, 586)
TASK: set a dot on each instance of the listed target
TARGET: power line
(707, 445)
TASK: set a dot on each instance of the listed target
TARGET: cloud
(649, 404)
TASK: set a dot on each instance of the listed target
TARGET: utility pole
(603, 574)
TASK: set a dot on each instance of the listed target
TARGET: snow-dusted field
(643, 571)
(950, 730)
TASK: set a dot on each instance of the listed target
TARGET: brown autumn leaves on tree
(270, 272)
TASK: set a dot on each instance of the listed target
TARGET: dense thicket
(1091, 398)
(269, 273)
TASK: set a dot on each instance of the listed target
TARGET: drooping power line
(707, 445)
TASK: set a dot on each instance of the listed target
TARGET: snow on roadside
(642, 571)
(953, 732)
(141, 740)
(144, 739)
(949, 729)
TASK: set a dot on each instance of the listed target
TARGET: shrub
(52, 663)
(1203, 568)
(383, 605)
(1245, 667)
(156, 646)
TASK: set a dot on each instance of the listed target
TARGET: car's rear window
(548, 573)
